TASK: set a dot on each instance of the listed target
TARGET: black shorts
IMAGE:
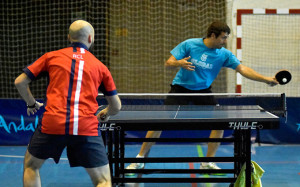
(189, 100)
(85, 151)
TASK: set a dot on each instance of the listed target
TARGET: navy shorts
(85, 151)
(189, 100)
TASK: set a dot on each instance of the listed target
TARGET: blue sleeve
(180, 51)
(231, 62)
(29, 74)
(105, 92)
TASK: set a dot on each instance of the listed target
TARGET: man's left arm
(253, 75)
(22, 85)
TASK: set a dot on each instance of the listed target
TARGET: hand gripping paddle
(283, 77)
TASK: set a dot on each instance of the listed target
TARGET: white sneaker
(208, 165)
(135, 166)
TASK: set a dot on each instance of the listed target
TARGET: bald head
(81, 31)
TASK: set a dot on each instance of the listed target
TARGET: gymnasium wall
(274, 56)
(132, 38)
(269, 42)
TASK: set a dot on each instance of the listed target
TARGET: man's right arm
(114, 106)
(253, 75)
(22, 85)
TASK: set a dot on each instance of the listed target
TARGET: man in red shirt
(69, 120)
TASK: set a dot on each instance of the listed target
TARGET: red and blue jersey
(75, 75)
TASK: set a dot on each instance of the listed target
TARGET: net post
(284, 108)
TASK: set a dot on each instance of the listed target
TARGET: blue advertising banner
(16, 127)
(289, 132)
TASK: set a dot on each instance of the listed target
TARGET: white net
(142, 34)
(133, 37)
(271, 43)
(31, 28)
(272, 102)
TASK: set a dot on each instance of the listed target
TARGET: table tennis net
(274, 103)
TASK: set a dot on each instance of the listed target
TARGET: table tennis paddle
(103, 117)
(283, 77)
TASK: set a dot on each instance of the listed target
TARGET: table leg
(248, 157)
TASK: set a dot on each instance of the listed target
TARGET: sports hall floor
(280, 162)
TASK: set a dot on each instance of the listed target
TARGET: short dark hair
(217, 28)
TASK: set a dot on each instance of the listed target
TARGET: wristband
(32, 106)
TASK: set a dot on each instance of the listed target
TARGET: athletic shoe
(208, 165)
(135, 166)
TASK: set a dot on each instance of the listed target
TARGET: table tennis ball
(284, 80)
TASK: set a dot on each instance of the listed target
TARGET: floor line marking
(11, 156)
(200, 154)
(16, 156)
(193, 175)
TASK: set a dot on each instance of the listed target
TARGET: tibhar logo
(203, 57)
(201, 64)
(244, 125)
(110, 127)
(298, 126)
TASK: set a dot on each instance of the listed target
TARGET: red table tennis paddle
(283, 77)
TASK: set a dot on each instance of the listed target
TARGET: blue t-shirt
(208, 63)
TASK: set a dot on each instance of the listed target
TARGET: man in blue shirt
(200, 61)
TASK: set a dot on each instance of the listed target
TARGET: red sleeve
(34, 69)
(107, 86)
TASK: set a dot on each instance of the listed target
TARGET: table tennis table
(240, 119)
